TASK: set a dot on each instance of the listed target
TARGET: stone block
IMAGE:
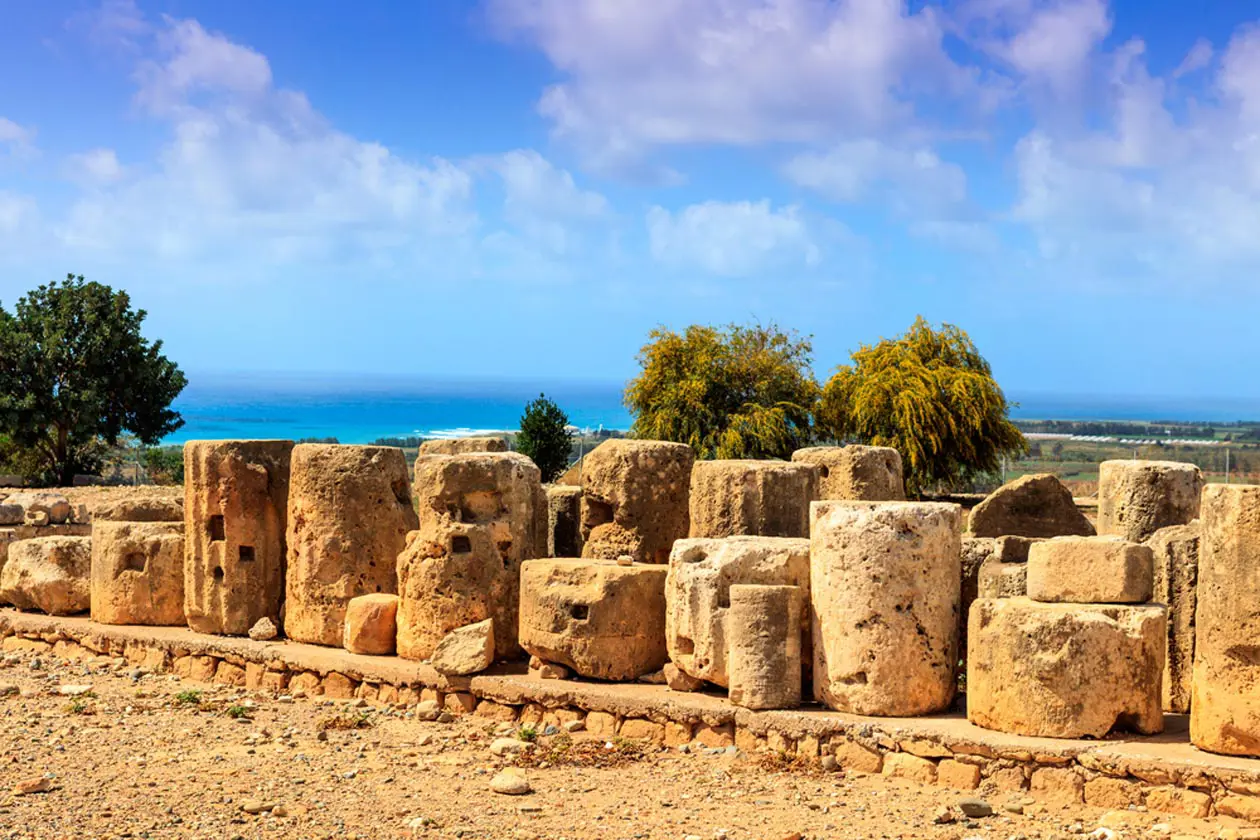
(1002, 580)
(645, 730)
(714, 735)
(1180, 801)
(1090, 570)
(1065, 670)
(236, 494)
(371, 625)
(564, 521)
(751, 498)
(957, 775)
(1225, 706)
(856, 757)
(635, 499)
(885, 590)
(481, 516)
(906, 766)
(138, 573)
(601, 619)
(764, 640)
(1117, 794)
(1137, 498)
(139, 509)
(462, 446)
(856, 473)
(1057, 785)
(601, 724)
(349, 514)
(1030, 506)
(465, 650)
(49, 574)
(1175, 550)
(56, 508)
(697, 595)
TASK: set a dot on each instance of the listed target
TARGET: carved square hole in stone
(218, 573)
(460, 544)
(596, 513)
(246, 554)
(133, 562)
(216, 529)
(685, 646)
(724, 598)
(824, 471)
(579, 612)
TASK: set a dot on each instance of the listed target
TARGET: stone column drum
(765, 646)
(1137, 498)
(348, 519)
(856, 473)
(885, 590)
(236, 493)
(481, 516)
(1225, 703)
(751, 498)
(635, 499)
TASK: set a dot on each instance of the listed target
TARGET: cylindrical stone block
(349, 515)
(236, 493)
(765, 646)
(1137, 498)
(752, 498)
(1225, 705)
(855, 472)
(885, 591)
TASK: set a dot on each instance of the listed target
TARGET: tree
(545, 437)
(75, 373)
(732, 392)
(931, 396)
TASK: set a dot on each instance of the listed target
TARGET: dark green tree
(75, 373)
(545, 437)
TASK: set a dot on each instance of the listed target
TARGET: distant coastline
(361, 409)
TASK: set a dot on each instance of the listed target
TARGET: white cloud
(914, 179)
(1199, 57)
(17, 142)
(95, 167)
(732, 239)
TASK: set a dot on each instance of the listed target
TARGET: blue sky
(524, 188)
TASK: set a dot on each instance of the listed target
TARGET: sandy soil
(151, 756)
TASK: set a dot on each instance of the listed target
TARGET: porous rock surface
(1030, 506)
(635, 499)
(1175, 550)
(465, 650)
(371, 624)
(139, 509)
(697, 595)
(564, 520)
(1090, 570)
(49, 574)
(1137, 498)
(855, 472)
(745, 497)
(1065, 670)
(462, 446)
(138, 572)
(348, 518)
(765, 646)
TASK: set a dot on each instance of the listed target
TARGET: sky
(525, 188)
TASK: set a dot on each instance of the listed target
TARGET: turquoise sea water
(362, 409)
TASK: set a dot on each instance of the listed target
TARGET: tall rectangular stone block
(1137, 498)
(1176, 553)
(752, 498)
(885, 589)
(635, 499)
(236, 493)
(765, 646)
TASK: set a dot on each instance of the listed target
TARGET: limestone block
(371, 624)
(1090, 570)
(635, 499)
(856, 473)
(463, 446)
(465, 650)
(564, 520)
(1030, 506)
(1225, 706)
(759, 498)
(1137, 498)
(138, 573)
(975, 551)
(348, 518)
(1002, 580)
(11, 514)
(8, 536)
(765, 646)
(235, 497)
(1176, 553)
(53, 505)
(697, 595)
(1065, 670)
(481, 516)
(885, 589)
(599, 618)
(49, 574)
(1013, 549)
(142, 509)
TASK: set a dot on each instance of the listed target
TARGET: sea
(362, 409)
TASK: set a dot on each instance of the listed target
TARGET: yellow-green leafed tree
(729, 392)
(931, 396)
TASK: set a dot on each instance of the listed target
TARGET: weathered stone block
(564, 521)
(757, 498)
(138, 573)
(348, 518)
(1002, 580)
(1065, 670)
(1137, 498)
(481, 516)
(1225, 706)
(856, 473)
(371, 624)
(49, 574)
(54, 506)
(885, 589)
(635, 499)
(1090, 570)
(1030, 506)
(601, 619)
(139, 509)
(465, 650)
(236, 493)
(765, 646)
(1176, 553)
(462, 446)
(697, 595)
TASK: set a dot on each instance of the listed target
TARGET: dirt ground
(114, 752)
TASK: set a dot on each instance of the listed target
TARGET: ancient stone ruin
(1175, 551)
(564, 520)
(49, 574)
(137, 574)
(1137, 498)
(635, 499)
(865, 473)
(757, 498)
(462, 446)
(765, 646)
(1030, 506)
